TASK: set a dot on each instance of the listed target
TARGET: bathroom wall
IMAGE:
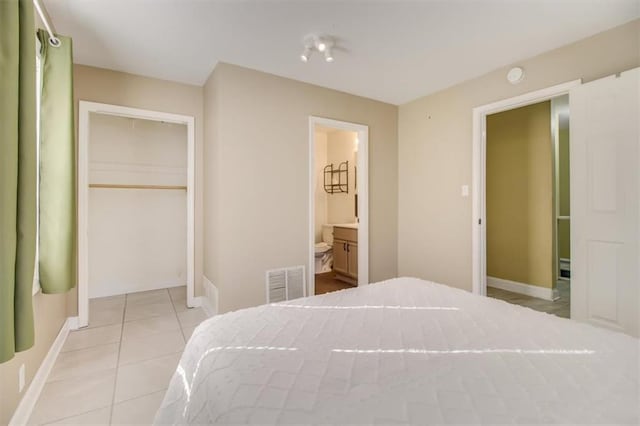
(341, 146)
(321, 197)
(519, 182)
(138, 237)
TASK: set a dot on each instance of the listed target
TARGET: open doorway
(515, 199)
(527, 206)
(338, 208)
(135, 207)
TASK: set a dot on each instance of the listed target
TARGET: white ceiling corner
(393, 51)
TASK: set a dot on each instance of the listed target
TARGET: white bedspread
(407, 351)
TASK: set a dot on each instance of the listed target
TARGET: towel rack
(341, 174)
(121, 186)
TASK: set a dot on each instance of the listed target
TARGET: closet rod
(119, 186)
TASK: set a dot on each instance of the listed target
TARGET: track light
(328, 55)
(320, 44)
(305, 54)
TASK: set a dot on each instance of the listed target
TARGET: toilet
(324, 250)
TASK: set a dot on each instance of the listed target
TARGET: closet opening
(135, 208)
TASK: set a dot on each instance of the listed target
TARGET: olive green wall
(520, 195)
(564, 239)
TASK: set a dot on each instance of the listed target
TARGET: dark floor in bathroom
(326, 283)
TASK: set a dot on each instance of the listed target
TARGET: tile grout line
(152, 359)
(173, 306)
(120, 342)
(97, 345)
(115, 379)
(54, 421)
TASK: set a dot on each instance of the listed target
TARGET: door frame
(84, 128)
(362, 177)
(479, 162)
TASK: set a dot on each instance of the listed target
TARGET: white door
(605, 188)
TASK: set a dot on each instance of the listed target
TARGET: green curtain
(17, 175)
(57, 168)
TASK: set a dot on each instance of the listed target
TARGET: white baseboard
(25, 407)
(210, 298)
(526, 289)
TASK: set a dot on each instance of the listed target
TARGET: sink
(346, 225)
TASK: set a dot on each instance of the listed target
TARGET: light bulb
(322, 46)
(305, 55)
(328, 56)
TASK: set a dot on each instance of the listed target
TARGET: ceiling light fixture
(304, 57)
(322, 44)
(328, 56)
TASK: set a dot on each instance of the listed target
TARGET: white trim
(522, 288)
(206, 306)
(363, 197)
(85, 108)
(210, 299)
(27, 403)
(478, 221)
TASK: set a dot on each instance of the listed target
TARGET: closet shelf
(122, 186)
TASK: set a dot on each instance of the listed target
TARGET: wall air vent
(285, 284)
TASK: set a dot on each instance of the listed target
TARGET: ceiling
(393, 51)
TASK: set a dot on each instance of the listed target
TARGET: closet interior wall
(137, 205)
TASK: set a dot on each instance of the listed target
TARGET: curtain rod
(53, 40)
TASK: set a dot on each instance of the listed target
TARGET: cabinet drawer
(346, 234)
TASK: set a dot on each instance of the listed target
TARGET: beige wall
(50, 312)
(340, 148)
(257, 137)
(434, 237)
(519, 185)
(117, 88)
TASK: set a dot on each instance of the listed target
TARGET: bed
(402, 351)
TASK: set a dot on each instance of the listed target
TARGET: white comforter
(407, 351)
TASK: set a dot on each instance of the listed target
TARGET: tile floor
(560, 307)
(117, 370)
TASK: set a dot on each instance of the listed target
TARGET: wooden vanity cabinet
(345, 254)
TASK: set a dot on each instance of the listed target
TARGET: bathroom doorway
(338, 205)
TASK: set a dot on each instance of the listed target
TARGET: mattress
(402, 351)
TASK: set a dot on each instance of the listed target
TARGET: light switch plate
(465, 190)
